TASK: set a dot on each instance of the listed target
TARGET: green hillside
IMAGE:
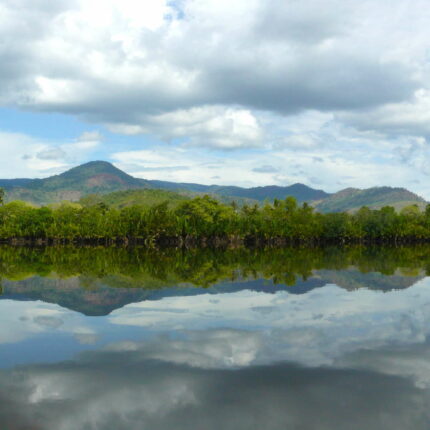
(300, 192)
(93, 177)
(100, 177)
(351, 199)
(143, 197)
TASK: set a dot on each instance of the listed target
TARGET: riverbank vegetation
(206, 220)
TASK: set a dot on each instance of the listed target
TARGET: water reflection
(96, 281)
(216, 339)
(96, 392)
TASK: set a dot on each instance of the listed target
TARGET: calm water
(114, 339)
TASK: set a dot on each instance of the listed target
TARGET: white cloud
(410, 118)
(125, 61)
(204, 126)
(339, 80)
(25, 156)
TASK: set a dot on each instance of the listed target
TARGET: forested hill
(94, 177)
(302, 193)
(352, 199)
(102, 177)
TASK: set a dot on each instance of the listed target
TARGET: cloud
(410, 118)
(164, 169)
(90, 136)
(267, 168)
(51, 154)
(297, 79)
(138, 66)
(337, 169)
(206, 126)
(22, 155)
(299, 141)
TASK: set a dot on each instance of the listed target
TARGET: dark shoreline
(211, 242)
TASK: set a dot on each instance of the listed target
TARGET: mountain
(101, 177)
(93, 177)
(351, 199)
(301, 192)
(10, 183)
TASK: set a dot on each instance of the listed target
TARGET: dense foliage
(142, 197)
(204, 218)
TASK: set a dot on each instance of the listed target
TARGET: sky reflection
(325, 358)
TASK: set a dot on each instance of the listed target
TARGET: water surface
(296, 338)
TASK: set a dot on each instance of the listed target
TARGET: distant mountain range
(100, 177)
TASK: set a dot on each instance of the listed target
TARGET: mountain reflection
(96, 281)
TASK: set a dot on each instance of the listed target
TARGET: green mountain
(352, 199)
(94, 177)
(301, 192)
(100, 177)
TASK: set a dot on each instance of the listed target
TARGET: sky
(329, 93)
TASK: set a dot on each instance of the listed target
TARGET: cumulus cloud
(206, 126)
(329, 79)
(137, 66)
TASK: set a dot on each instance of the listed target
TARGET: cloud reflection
(312, 329)
(115, 390)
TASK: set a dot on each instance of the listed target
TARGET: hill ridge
(103, 177)
(350, 199)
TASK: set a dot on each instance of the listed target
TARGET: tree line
(205, 219)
